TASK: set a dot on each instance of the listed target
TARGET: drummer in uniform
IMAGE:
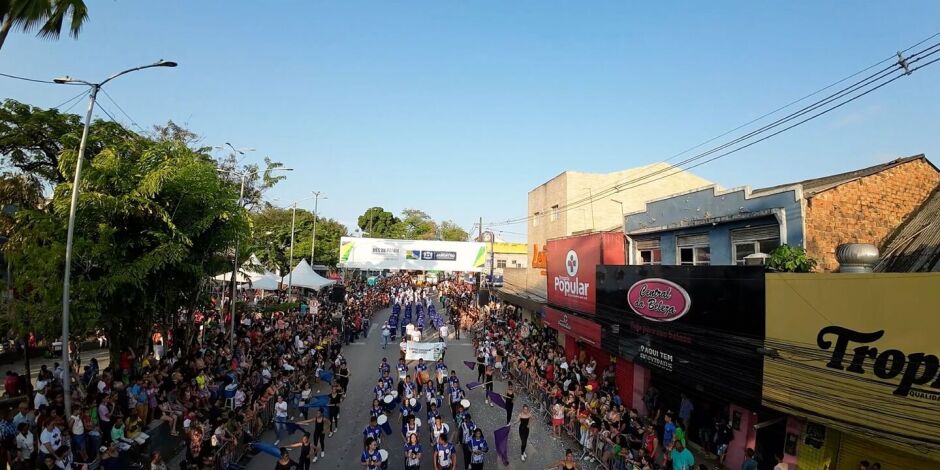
(371, 459)
(408, 389)
(372, 431)
(456, 394)
(441, 371)
(412, 426)
(421, 373)
(445, 455)
(438, 427)
(376, 409)
(412, 453)
(379, 390)
(384, 367)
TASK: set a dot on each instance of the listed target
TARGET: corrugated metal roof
(915, 245)
(817, 185)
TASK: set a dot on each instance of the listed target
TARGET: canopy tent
(304, 276)
(266, 282)
(253, 272)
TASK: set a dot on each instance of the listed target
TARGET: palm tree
(46, 15)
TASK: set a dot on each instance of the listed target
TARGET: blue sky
(460, 108)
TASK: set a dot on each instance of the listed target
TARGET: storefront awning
(527, 300)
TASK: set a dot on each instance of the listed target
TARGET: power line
(781, 108)
(76, 98)
(102, 108)
(902, 64)
(133, 122)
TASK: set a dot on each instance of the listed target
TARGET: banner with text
(426, 351)
(419, 255)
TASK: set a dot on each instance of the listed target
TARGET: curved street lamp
(67, 378)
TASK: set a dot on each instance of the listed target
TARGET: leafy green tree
(418, 225)
(271, 238)
(329, 232)
(31, 139)
(450, 231)
(154, 221)
(380, 223)
(47, 17)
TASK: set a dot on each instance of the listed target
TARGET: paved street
(343, 449)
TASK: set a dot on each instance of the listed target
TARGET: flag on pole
(501, 440)
(473, 385)
(293, 427)
(318, 401)
(472, 365)
(496, 399)
(266, 448)
(326, 376)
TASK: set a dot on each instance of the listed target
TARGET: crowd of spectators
(215, 397)
(580, 402)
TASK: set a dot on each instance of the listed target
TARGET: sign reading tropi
(857, 352)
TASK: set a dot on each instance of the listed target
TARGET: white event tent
(252, 275)
(304, 276)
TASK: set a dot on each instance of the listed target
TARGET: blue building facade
(715, 226)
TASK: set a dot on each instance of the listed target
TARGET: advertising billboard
(858, 352)
(581, 328)
(418, 255)
(699, 326)
(571, 267)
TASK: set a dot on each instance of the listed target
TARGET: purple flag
(496, 399)
(474, 385)
(472, 365)
(501, 440)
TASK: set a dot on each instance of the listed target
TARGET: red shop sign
(569, 324)
(658, 299)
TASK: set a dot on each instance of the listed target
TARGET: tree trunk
(5, 28)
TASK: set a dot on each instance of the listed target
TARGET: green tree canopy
(155, 219)
(270, 240)
(418, 225)
(450, 231)
(379, 223)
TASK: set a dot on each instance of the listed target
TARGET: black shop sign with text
(699, 327)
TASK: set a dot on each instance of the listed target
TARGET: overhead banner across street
(421, 255)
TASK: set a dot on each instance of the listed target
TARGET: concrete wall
(866, 210)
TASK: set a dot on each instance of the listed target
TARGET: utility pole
(313, 244)
(480, 273)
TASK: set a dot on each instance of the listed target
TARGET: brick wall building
(865, 206)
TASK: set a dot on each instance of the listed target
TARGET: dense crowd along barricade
(580, 403)
(218, 400)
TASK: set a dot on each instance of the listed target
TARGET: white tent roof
(251, 271)
(304, 276)
(263, 282)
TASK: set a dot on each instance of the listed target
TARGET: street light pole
(231, 339)
(313, 244)
(241, 197)
(290, 276)
(73, 209)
